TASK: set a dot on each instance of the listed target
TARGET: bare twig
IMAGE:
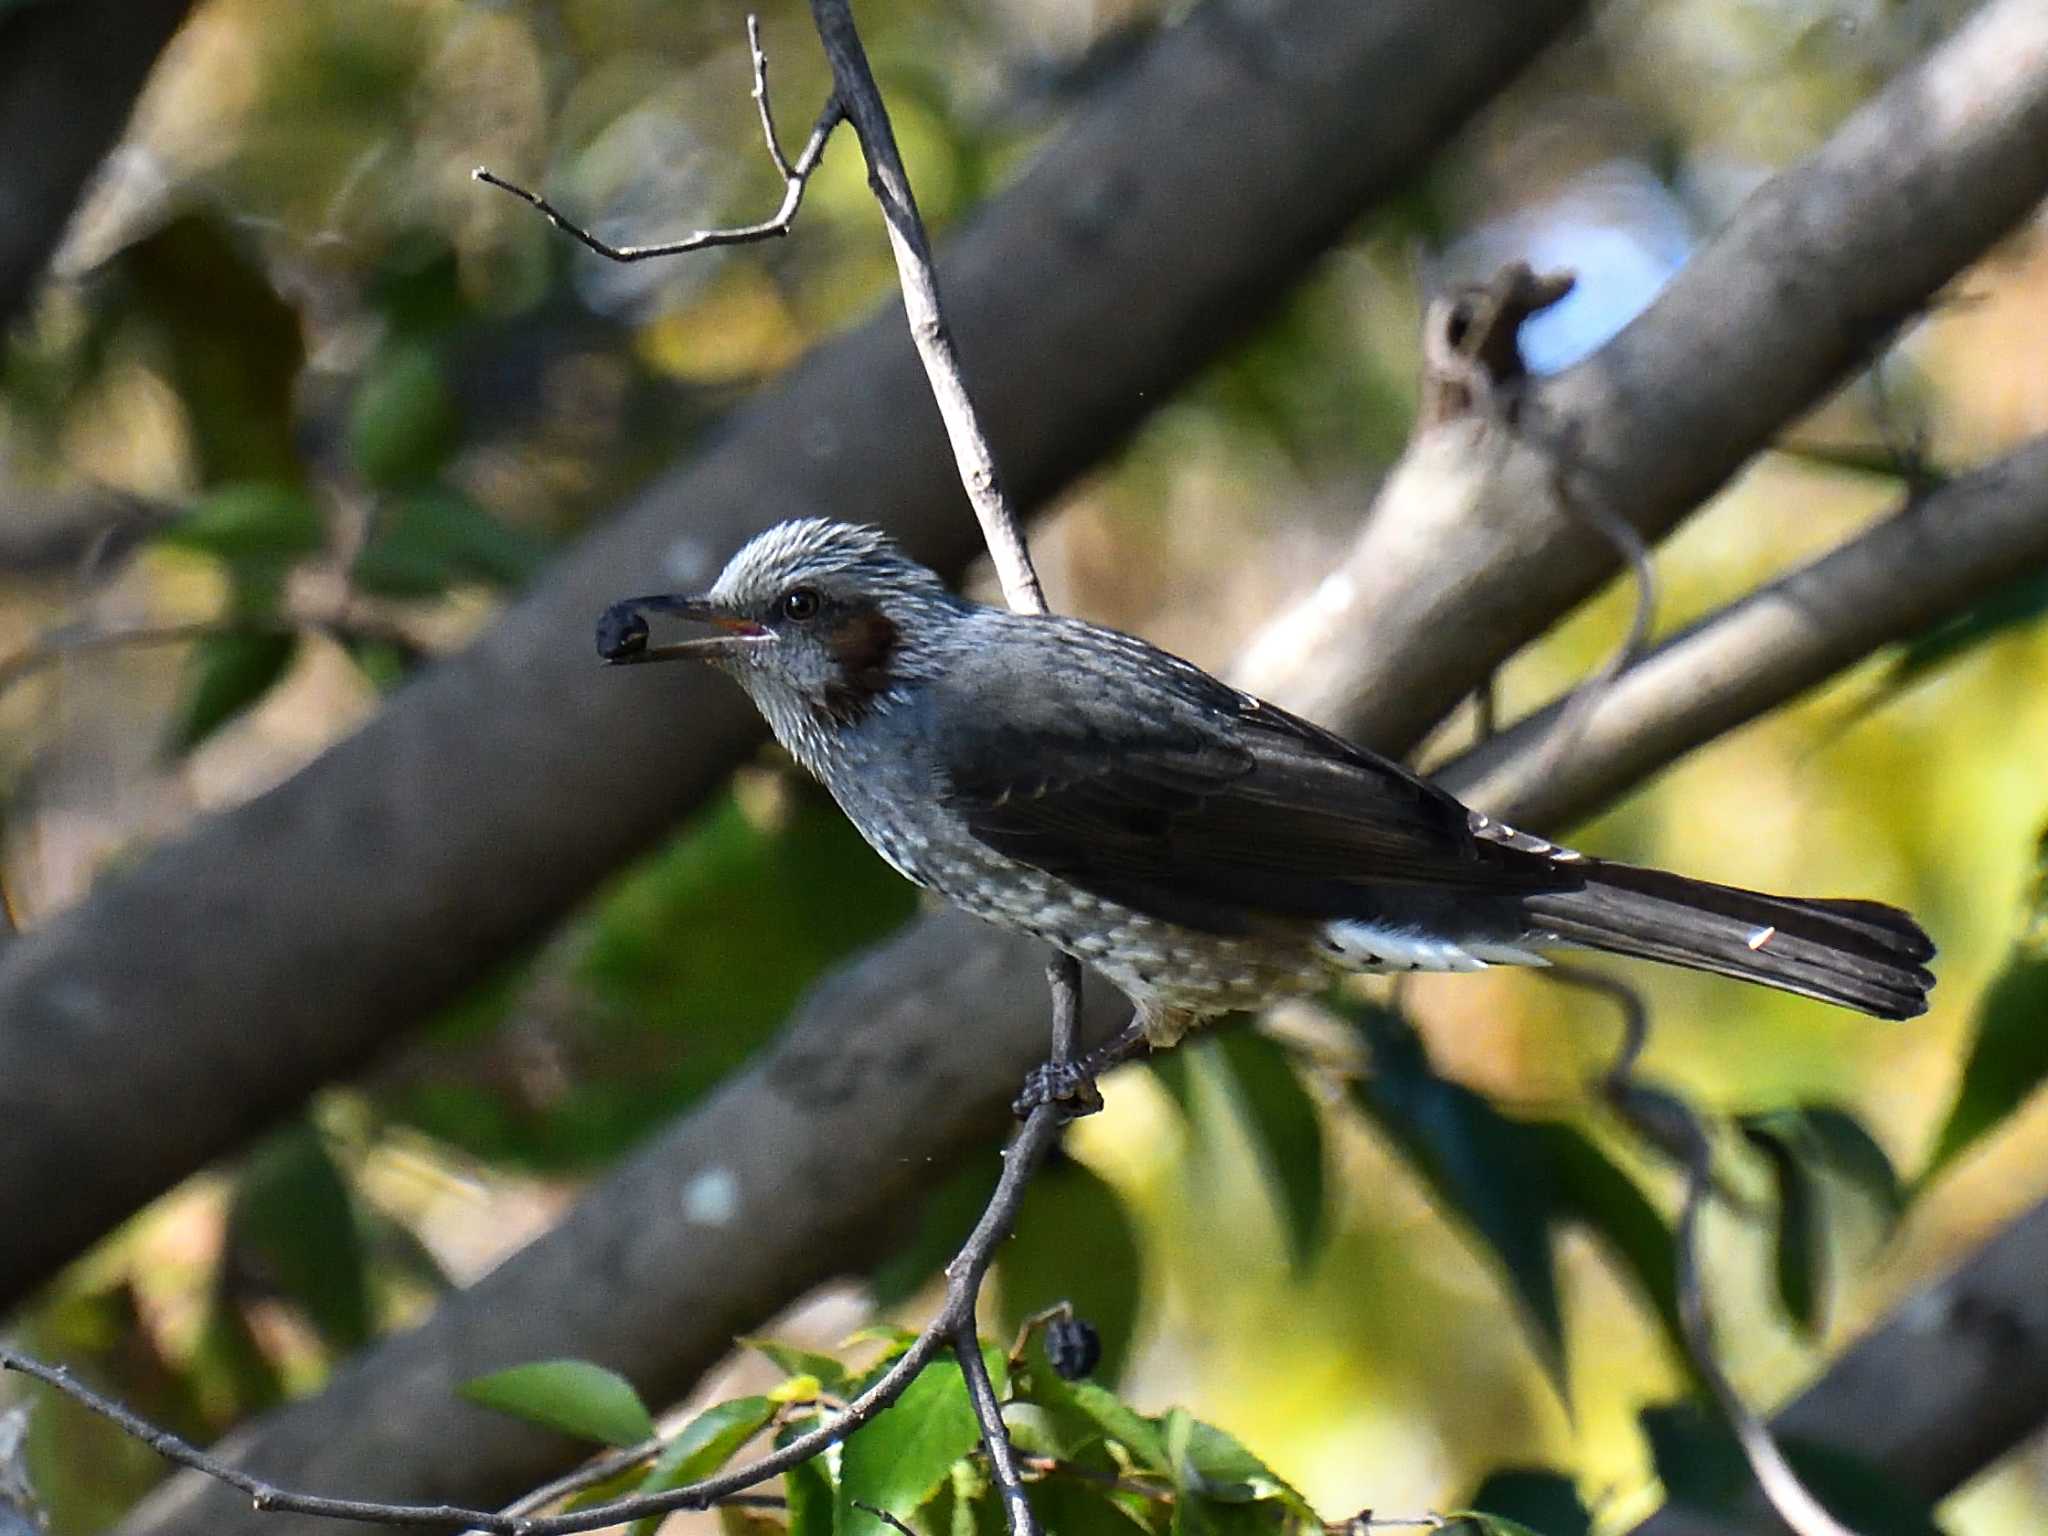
(1471, 347)
(1788, 1496)
(1667, 1122)
(1063, 981)
(1058, 1311)
(857, 92)
(261, 1493)
(795, 178)
(600, 1469)
(1935, 555)
(995, 1437)
(1635, 1017)
(885, 1517)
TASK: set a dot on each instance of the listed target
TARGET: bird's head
(819, 621)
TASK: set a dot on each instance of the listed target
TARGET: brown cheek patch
(861, 644)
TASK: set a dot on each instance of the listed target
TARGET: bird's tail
(1858, 954)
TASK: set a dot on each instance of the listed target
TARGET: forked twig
(795, 178)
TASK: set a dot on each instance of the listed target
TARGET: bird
(1204, 850)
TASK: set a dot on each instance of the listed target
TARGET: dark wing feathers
(1144, 780)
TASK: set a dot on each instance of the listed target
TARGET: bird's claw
(1068, 1085)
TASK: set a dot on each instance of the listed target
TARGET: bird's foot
(1069, 1085)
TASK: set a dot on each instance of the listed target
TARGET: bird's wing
(1136, 776)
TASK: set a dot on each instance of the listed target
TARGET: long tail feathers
(1859, 954)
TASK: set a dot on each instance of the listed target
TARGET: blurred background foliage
(304, 406)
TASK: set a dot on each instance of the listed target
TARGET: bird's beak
(622, 631)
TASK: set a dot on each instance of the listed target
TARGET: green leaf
(573, 1396)
(1850, 1151)
(1285, 1130)
(294, 1221)
(226, 675)
(1050, 1416)
(1196, 1515)
(229, 1371)
(1697, 1459)
(427, 541)
(1074, 1242)
(1207, 1461)
(1801, 1243)
(894, 1338)
(828, 1372)
(1591, 1191)
(1525, 1498)
(701, 1447)
(2007, 1062)
(1084, 1412)
(1486, 1170)
(809, 1494)
(402, 423)
(1174, 1071)
(897, 1460)
(965, 1504)
(384, 664)
(262, 522)
(1070, 1507)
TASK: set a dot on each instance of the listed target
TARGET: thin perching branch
(857, 92)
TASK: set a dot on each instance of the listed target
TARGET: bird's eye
(799, 604)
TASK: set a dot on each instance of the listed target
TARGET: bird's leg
(1065, 1081)
(1061, 1080)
